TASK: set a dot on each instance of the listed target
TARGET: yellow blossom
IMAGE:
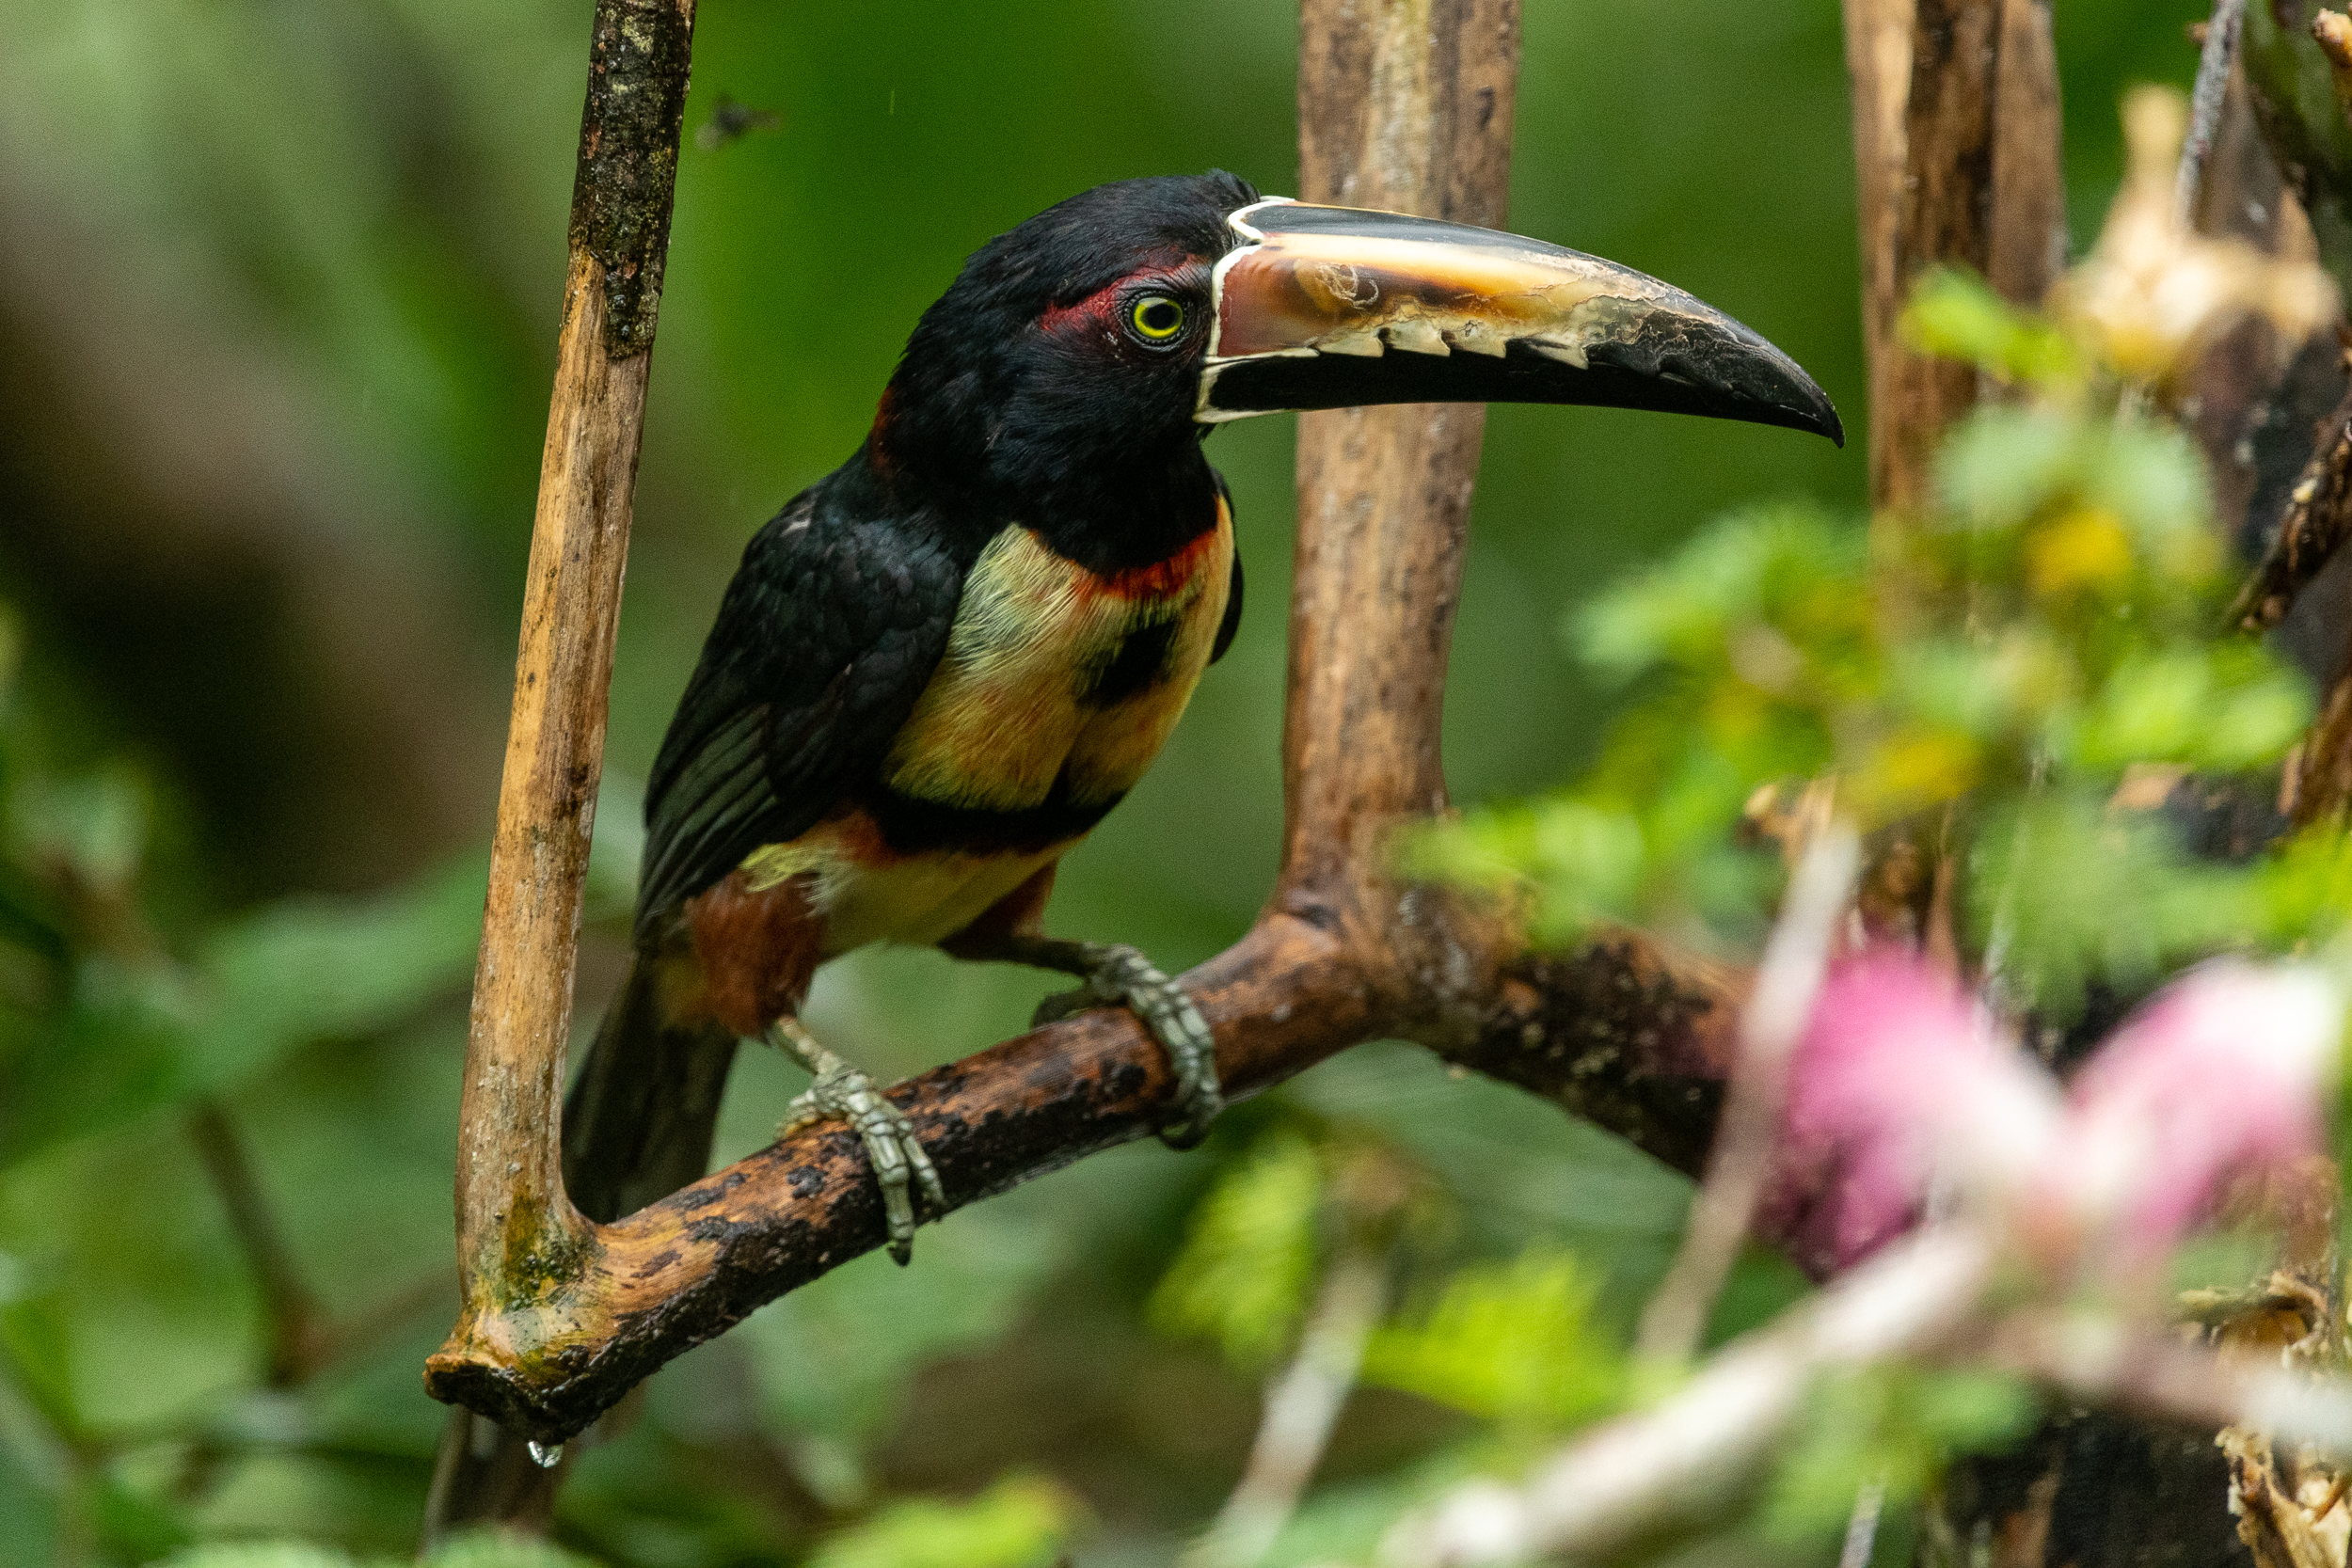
(2086, 548)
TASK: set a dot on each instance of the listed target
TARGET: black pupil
(1161, 315)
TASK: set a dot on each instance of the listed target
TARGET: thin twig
(1634, 1475)
(297, 1332)
(2214, 64)
(2318, 517)
(1862, 1525)
(1794, 961)
(1919, 1299)
(1301, 1408)
(2099, 1360)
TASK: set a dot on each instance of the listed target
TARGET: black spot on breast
(1136, 665)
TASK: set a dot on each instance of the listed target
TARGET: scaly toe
(893, 1150)
(1167, 1010)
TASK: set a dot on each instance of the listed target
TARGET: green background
(274, 357)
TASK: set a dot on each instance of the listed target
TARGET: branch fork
(562, 1317)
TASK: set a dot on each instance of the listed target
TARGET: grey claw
(892, 1150)
(1124, 974)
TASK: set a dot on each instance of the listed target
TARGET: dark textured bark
(1957, 160)
(2255, 425)
(628, 172)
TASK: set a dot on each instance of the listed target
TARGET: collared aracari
(941, 665)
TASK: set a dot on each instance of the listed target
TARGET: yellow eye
(1157, 318)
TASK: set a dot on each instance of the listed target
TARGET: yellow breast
(1059, 688)
(1056, 675)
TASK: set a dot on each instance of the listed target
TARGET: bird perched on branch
(941, 664)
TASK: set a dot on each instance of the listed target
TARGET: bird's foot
(1116, 974)
(842, 1090)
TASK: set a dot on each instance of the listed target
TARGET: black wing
(1232, 623)
(826, 637)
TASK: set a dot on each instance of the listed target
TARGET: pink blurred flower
(1902, 1081)
(1903, 1086)
(2226, 1071)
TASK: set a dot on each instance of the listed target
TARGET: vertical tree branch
(1877, 63)
(1407, 105)
(516, 1229)
(514, 1223)
(1956, 154)
(1301, 1408)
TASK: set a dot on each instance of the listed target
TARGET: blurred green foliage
(474, 1549)
(1020, 1522)
(1250, 1254)
(326, 241)
(1988, 675)
(1515, 1342)
(1890, 1429)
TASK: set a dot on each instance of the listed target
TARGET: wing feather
(825, 639)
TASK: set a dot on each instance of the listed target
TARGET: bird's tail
(638, 1121)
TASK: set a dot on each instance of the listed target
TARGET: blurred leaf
(1792, 568)
(38, 1338)
(2086, 548)
(266, 1554)
(144, 1033)
(93, 827)
(31, 1469)
(2303, 889)
(2004, 463)
(1890, 1427)
(1585, 862)
(1020, 1522)
(308, 970)
(2149, 475)
(1916, 767)
(1515, 1342)
(493, 1548)
(129, 1524)
(1955, 314)
(2068, 891)
(2224, 708)
(1248, 1257)
(834, 1358)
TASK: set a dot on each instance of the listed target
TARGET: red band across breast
(1162, 579)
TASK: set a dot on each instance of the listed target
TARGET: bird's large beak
(1332, 307)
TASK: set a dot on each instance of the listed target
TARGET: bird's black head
(1067, 378)
(1057, 381)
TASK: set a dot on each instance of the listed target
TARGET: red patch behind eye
(1099, 310)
